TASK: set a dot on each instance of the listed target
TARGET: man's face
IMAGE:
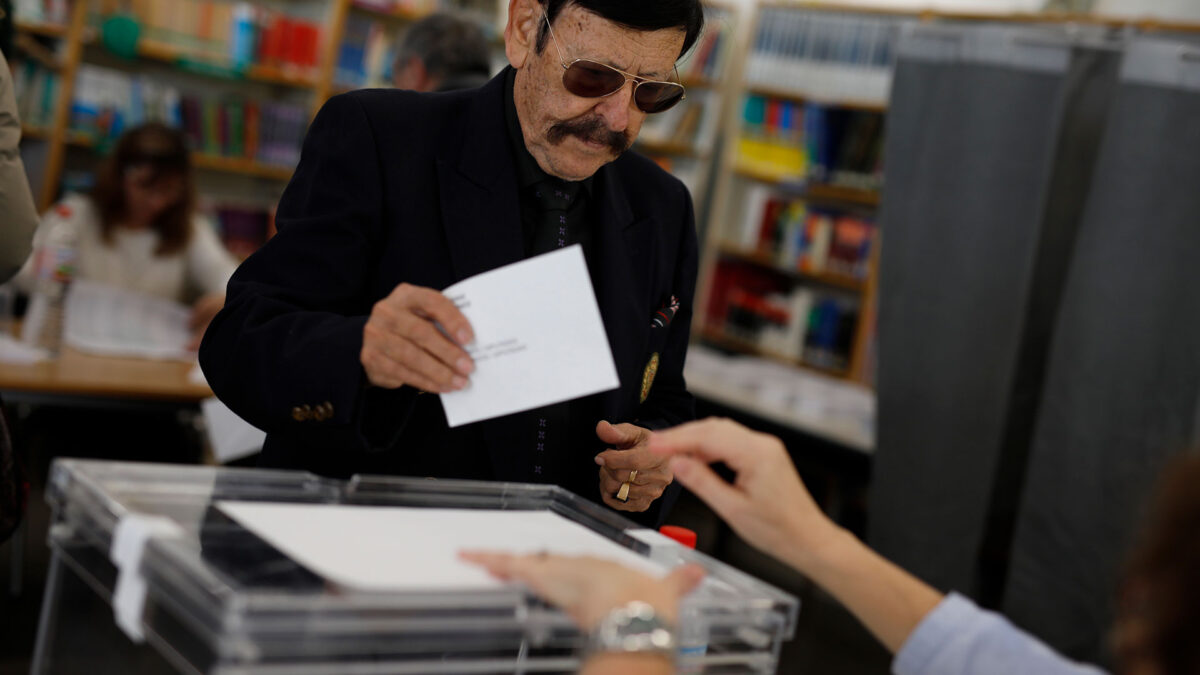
(570, 136)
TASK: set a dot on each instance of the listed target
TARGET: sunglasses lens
(655, 97)
(591, 80)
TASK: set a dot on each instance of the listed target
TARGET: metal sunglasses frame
(629, 77)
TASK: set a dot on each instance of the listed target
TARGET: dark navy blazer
(394, 187)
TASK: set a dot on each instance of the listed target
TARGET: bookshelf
(685, 139)
(789, 256)
(803, 61)
(193, 51)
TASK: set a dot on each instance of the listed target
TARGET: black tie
(558, 226)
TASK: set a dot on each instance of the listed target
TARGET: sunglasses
(592, 79)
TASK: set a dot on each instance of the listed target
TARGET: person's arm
(769, 507)
(16, 201)
(300, 326)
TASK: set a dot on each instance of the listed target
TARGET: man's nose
(617, 107)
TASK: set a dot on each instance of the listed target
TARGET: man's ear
(520, 33)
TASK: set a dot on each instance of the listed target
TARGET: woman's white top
(129, 261)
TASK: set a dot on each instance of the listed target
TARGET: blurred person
(929, 632)
(138, 228)
(442, 52)
(18, 219)
(16, 201)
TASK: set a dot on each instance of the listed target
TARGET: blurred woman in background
(138, 229)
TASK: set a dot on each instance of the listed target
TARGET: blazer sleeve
(669, 402)
(291, 330)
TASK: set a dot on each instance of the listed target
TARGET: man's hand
(630, 453)
(402, 343)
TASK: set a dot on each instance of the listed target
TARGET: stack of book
(796, 323)
(237, 35)
(792, 141)
(824, 55)
(109, 101)
(365, 55)
(797, 236)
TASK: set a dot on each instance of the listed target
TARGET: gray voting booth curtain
(1123, 383)
(1014, 235)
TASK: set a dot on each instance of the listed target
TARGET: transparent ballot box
(150, 573)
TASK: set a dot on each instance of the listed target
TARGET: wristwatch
(634, 627)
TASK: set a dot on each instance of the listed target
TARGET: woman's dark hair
(1158, 610)
(165, 151)
(636, 14)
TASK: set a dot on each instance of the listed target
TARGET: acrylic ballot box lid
(219, 599)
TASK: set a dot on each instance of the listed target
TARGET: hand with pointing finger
(618, 464)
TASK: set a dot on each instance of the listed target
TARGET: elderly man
(442, 52)
(330, 337)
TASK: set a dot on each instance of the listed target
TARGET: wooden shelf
(698, 83)
(768, 261)
(821, 192)
(723, 340)
(205, 161)
(54, 30)
(772, 92)
(397, 14)
(656, 147)
(241, 166)
(158, 51)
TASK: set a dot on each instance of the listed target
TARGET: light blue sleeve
(958, 638)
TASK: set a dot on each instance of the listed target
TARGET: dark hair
(1158, 609)
(636, 14)
(449, 45)
(163, 149)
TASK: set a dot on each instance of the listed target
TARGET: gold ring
(623, 494)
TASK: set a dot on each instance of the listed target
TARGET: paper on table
(112, 321)
(388, 548)
(539, 338)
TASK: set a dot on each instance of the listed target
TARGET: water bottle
(53, 268)
(693, 631)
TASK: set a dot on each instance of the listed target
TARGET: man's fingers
(411, 356)
(423, 333)
(620, 435)
(433, 305)
(707, 485)
(629, 459)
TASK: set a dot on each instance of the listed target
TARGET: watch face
(640, 625)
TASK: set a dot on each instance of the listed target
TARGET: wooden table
(78, 377)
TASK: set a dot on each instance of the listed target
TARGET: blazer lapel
(623, 249)
(478, 191)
